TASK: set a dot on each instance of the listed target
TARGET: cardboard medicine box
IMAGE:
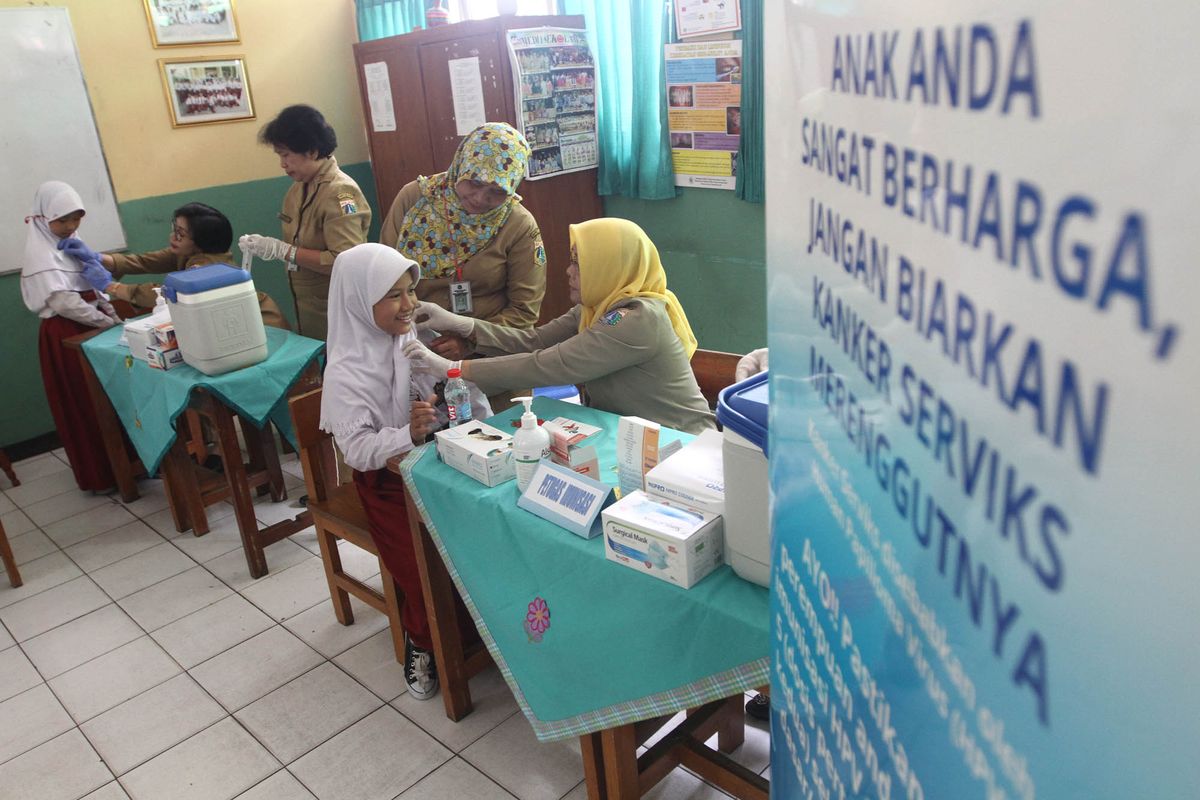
(478, 450)
(694, 476)
(675, 544)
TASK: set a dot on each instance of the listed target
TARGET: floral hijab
(437, 232)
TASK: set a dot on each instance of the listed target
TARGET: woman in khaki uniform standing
(480, 250)
(324, 212)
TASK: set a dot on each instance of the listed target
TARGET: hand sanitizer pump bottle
(161, 312)
(530, 444)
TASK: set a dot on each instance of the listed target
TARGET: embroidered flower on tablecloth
(537, 619)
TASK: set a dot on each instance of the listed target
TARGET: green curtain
(750, 179)
(627, 38)
(380, 18)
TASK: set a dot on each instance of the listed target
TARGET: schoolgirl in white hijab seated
(55, 286)
(375, 412)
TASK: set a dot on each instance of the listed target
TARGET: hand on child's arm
(422, 419)
(451, 346)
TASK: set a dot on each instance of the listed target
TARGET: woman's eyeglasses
(179, 233)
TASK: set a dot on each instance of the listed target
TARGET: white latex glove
(264, 247)
(423, 359)
(752, 363)
(432, 317)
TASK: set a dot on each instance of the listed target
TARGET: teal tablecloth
(148, 401)
(621, 646)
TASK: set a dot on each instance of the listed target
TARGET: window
(461, 10)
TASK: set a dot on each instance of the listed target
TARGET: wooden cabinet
(425, 137)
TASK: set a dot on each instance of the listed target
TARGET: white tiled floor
(140, 663)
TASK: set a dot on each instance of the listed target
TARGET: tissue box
(140, 334)
(670, 542)
(163, 358)
(694, 477)
(478, 450)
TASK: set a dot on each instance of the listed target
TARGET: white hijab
(367, 380)
(45, 269)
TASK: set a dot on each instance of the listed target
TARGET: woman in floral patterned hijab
(479, 250)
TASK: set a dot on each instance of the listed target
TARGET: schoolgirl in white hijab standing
(55, 287)
(371, 406)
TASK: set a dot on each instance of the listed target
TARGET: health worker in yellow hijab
(627, 339)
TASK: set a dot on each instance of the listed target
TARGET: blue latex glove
(95, 274)
(77, 249)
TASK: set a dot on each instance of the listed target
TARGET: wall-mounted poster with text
(704, 112)
(555, 82)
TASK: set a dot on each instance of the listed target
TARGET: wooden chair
(338, 514)
(714, 371)
(10, 563)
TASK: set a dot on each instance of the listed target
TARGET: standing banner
(704, 112)
(983, 281)
(555, 81)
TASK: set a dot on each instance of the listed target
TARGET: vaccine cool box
(216, 316)
(742, 411)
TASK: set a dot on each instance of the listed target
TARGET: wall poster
(555, 81)
(704, 112)
(702, 17)
(981, 250)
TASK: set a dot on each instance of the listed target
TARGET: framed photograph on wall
(182, 22)
(201, 90)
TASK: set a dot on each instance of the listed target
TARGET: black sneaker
(759, 707)
(420, 672)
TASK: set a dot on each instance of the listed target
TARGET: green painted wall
(251, 207)
(713, 247)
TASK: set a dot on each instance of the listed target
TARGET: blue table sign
(566, 498)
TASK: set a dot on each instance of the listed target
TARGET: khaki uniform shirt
(630, 359)
(162, 261)
(329, 214)
(508, 277)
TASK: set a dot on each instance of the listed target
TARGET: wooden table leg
(239, 486)
(263, 456)
(440, 607)
(10, 563)
(183, 493)
(593, 765)
(732, 732)
(6, 465)
(619, 755)
(124, 470)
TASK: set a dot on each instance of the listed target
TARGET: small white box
(672, 543)
(140, 334)
(478, 450)
(694, 477)
(158, 358)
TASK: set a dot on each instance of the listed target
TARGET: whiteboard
(47, 130)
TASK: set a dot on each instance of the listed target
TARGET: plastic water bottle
(458, 398)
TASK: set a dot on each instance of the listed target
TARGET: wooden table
(612, 767)
(190, 486)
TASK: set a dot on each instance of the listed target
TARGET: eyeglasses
(179, 233)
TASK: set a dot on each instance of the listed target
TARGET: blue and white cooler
(217, 319)
(742, 411)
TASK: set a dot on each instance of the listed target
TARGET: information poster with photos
(704, 112)
(555, 81)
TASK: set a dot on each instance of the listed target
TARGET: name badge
(460, 297)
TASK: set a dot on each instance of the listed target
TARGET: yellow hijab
(617, 260)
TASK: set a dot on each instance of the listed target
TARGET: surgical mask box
(694, 476)
(675, 544)
(478, 450)
(163, 358)
(743, 411)
(217, 318)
